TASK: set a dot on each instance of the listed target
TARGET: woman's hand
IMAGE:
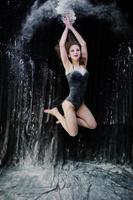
(67, 22)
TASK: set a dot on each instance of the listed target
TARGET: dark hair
(71, 40)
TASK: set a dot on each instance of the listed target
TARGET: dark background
(109, 142)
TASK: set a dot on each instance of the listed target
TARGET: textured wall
(31, 77)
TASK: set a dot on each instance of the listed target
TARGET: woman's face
(74, 52)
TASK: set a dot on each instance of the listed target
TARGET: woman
(75, 111)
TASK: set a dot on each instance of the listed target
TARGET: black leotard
(77, 84)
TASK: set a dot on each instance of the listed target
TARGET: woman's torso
(77, 80)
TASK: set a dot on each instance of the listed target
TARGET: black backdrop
(110, 141)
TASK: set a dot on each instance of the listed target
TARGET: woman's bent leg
(86, 119)
(70, 117)
(54, 111)
(69, 120)
(82, 122)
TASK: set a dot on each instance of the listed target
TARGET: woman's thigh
(70, 116)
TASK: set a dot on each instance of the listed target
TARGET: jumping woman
(75, 111)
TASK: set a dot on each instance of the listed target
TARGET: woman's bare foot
(52, 111)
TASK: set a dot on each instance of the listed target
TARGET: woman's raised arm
(63, 52)
(81, 41)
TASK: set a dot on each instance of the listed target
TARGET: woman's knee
(72, 132)
(92, 125)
